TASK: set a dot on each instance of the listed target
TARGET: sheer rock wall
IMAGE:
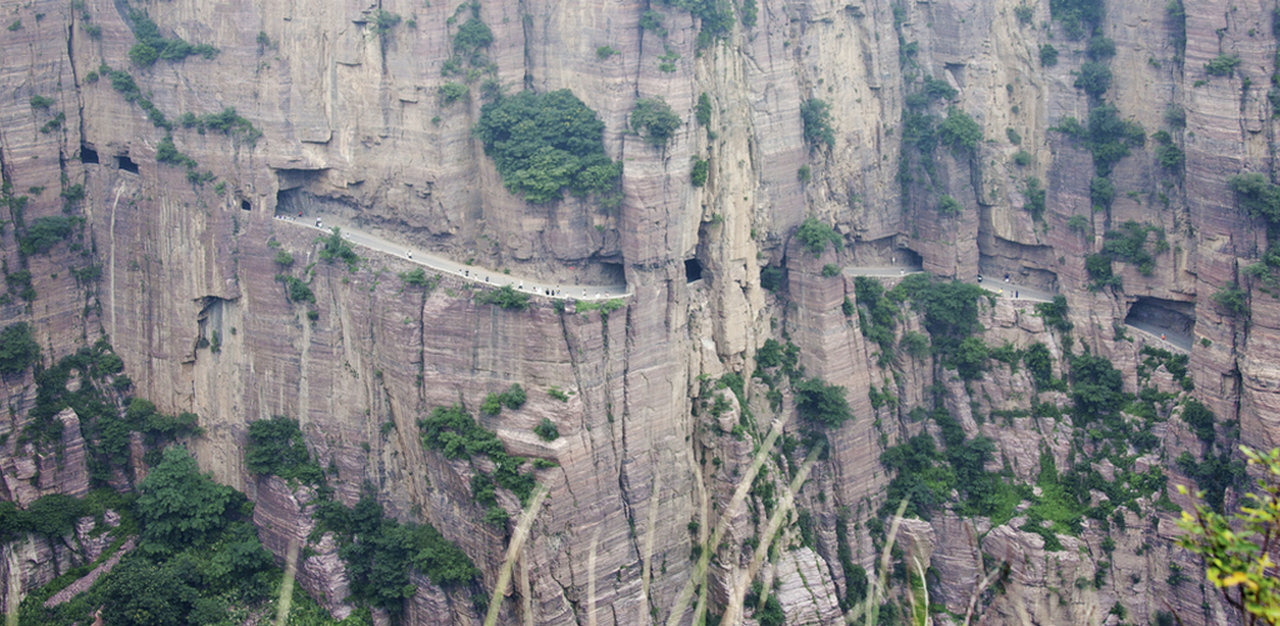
(352, 123)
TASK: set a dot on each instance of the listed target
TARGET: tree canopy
(544, 143)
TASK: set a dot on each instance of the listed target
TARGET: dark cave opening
(125, 163)
(87, 154)
(692, 270)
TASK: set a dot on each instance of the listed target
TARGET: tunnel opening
(125, 163)
(87, 154)
(907, 257)
(245, 205)
(613, 273)
(692, 270)
(1172, 319)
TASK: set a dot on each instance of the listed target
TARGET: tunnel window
(245, 205)
(125, 163)
(88, 155)
(692, 270)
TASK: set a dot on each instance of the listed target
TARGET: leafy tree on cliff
(1237, 550)
(654, 120)
(179, 507)
(18, 348)
(822, 402)
(543, 144)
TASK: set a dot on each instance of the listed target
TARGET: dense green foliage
(1039, 363)
(180, 508)
(1106, 136)
(227, 122)
(1256, 194)
(960, 132)
(1048, 55)
(417, 277)
(1222, 65)
(546, 430)
(950, 309)
(18, 348)
(653, 119)
(505, 297)
(715, 15)
(1233, 300)
(698, 173)
(153, 46)
(543, 144)
(19, 284)
(1129, 244)
(106, 428)
(927, 475)
(334, 248)
(1035, 195)
(702, 111)
(198, 557)
(1236, 550)
(1094, 78)
(379, 553)
(295, 289)
(877, 312)
(1098, 266)
(1097, 389)
(513, 398)
(815, 235)
(816, 115)
(821, 402)
(948, 205)
(46, 232)
(455, 434)
(276, 447)
(1078, 17)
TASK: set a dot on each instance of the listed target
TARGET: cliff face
(354, 126)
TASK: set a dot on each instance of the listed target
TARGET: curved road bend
(467, 272)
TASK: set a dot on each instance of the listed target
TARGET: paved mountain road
(475, 274)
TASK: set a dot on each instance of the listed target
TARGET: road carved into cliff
(479, 275)
(1168, 336)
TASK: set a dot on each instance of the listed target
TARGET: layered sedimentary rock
(353, 125)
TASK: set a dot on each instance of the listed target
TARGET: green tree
(276, 447)
(822, 402)
(543, 144)
(960, 131)
(653, 119)
(1094, 78)
(970, 358)
(138, 593)
(1237, 549)
(505, 297)
(18, 348)
(816, 115)
(178, 506)
(815, 235)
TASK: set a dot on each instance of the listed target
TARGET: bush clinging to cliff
(816, 115)
(822, 402)
(18, 349)
(654, 120)
(543, 144)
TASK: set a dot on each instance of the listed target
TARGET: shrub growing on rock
(654, 120)
(543, 144)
